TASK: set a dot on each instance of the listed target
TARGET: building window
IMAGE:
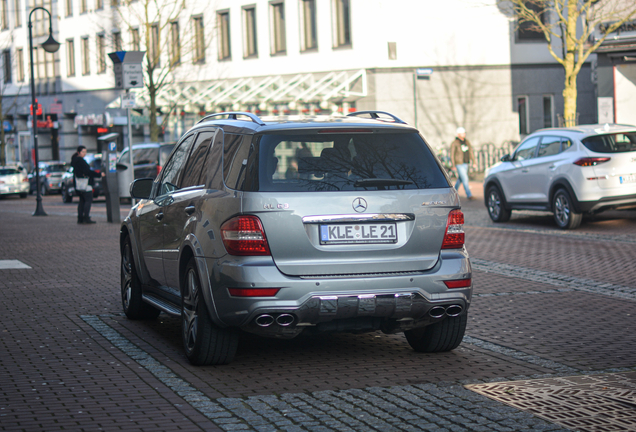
(101, 53)
(548, 111)
(392, 50)
(175, 44)
(19, 66)
(523, 110)
(5, 14)
(199, 40)
(309, 39)
(83, 6)
(529, 31)
(134, 39)
(277, 28)
(154, 50)
(18, 14)
(250, 48)
(99, 4)
(6, 63)
(341, 23)
(223, 26)
(68, 6)
(117, 45)
(115, 3)
(86, 66)
(70, 57)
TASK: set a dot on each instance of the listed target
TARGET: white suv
(568, 171)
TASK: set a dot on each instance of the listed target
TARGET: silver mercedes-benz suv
(283, 225)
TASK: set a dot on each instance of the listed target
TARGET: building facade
(437, 65)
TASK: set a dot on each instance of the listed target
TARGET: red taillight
(48, 175)
(454, 236)
(591, 161)
(459, 283)
(25, 179)
(97, 171)
(244, 235)
(253, 292)
(158, 169)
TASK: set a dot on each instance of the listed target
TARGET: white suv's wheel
(564, 214)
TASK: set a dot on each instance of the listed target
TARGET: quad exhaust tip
(284, 320)
(264, 320)
(440, 311)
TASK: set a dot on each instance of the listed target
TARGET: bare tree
(169, 40)
(579, 26)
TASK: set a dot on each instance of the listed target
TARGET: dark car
(67, 186)
(51, 173)
(287, 225)
(148, 160)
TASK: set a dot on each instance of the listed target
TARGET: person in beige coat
(462, 157)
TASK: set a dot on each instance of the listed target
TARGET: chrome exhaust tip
(454, 310)
(437, 312)
(264, 320)
(284, 320)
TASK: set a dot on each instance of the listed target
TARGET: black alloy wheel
(496, 207)
(134, 307)
(565, 215)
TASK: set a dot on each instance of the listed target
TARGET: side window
(174, 167)
(213, 173)
(234, 178)
(196, 161)
(566, 143)
(549, 146)
(145, 156)
(526, 149)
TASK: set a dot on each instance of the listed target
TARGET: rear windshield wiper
(381, 182)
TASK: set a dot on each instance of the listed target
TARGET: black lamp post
(51, 46)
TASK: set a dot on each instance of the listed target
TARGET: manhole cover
(587, 403)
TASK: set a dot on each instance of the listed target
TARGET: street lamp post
(50, 46)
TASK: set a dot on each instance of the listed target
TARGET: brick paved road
(70, 361)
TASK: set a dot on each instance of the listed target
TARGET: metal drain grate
(586, 403)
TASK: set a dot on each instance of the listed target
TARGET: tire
(134, 306)
(23, 195)
(203, 341)
(495, 204)
(66, 197)
(564, 214)
(442, 336)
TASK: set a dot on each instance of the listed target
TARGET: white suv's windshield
(611, 143)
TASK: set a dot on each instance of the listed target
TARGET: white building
(477, 69)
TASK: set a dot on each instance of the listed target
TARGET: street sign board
(424, 73)
(128, 100)
(128, 69)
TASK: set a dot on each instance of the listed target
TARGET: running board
(160, 303)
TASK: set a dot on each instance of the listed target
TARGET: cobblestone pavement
(546, 305)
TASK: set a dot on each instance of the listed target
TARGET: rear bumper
(607, 203)
(389, 302)
(9, 189)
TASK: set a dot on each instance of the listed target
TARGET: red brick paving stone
(603, 261)
(489, 283)
(582, 330)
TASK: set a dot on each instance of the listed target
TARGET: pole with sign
(128, 74)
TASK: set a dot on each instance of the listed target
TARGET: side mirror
(505, 158)
(141, 188)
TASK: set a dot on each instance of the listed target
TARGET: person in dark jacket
(83, 189)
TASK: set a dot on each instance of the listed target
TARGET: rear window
(611, 143)
(8, 171)
(56, 168)
(341, 162)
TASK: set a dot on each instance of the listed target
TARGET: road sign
(424, 73)
(128, 69)
(128, 100)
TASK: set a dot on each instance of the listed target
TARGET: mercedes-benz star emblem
(359, 205)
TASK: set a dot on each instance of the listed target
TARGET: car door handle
(159, 216)
(189, 210)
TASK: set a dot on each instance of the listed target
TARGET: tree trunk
(569, 66)
(154, 128)
(569, 99)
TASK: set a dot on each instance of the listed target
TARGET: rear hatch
(613, 158)
(346, 203)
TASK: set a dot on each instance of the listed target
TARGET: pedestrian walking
(462, 157)
(83, 182)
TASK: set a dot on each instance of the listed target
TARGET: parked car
(51, 173)
(67, 187)
(280, 226)
(148, 160)
(572, 171)
(13, 180)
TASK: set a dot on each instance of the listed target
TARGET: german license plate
(358, 233)
(627, 179)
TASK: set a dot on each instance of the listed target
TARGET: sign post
(128, 74)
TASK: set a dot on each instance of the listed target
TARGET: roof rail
(232, 116)
(374, 115)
